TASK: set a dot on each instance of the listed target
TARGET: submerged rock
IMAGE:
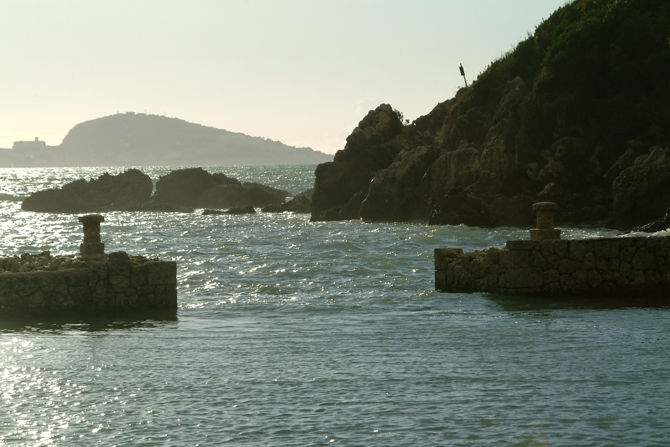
(244, 210)
(249, 209)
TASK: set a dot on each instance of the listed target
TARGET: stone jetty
(92, 283)
(549, 266)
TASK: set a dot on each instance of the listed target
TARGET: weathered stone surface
(161, 273)
(67, 284)
(577, 267)
(393, 192)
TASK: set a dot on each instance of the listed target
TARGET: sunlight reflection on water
(297, 333)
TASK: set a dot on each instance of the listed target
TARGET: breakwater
(626, 266)
(92, 283)
(548, 266)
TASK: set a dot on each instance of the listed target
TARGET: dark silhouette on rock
(138, 139)
(106, 193)
(197, 188)
(577, 114)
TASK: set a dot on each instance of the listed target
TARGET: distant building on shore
(29, 145)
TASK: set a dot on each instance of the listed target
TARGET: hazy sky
(302, 72)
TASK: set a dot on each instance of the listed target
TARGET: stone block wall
(111, 283)
(608, 267)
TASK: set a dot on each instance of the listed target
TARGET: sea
(297, 333)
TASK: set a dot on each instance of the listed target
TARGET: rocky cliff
(578, 113)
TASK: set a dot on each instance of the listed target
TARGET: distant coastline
(138, 139)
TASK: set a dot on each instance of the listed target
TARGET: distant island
(138, 139)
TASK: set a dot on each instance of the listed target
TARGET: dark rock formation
(393, 193)
(642, 191)
(301, 203)
(569, 116)
(179, 191)
(197, 188)
(243, 210)
(106, 193)
(654, 226)
(341, 185)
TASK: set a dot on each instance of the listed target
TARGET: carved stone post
(92, 245)
(545, 222)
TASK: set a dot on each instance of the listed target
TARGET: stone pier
(93, 283)
(546, 265)
(626, 266)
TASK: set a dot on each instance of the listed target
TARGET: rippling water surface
(297, 333)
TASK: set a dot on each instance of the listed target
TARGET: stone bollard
(92, 245)
(545, 222)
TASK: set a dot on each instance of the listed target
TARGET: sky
(297, 71)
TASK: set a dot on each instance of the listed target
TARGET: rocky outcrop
(179, 191)
(642, 191)
(341, 185)
(490, 176)
(301, 203)
(197, 188)
(106, 193)
(568, 116)
(393, 193)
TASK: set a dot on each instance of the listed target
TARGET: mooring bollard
(545, 230)
(92, 245)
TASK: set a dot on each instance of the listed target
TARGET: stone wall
(627, 266)
(112, 282)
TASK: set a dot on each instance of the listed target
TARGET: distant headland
(578, 113)
(138, 139)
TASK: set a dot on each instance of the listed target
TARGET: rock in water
(301, 203)
(197, 188)
(106, 193)
(243, 210)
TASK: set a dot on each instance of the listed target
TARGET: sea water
(297, 333)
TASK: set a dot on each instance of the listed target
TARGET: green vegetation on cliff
(611, 57)
(577, 113)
